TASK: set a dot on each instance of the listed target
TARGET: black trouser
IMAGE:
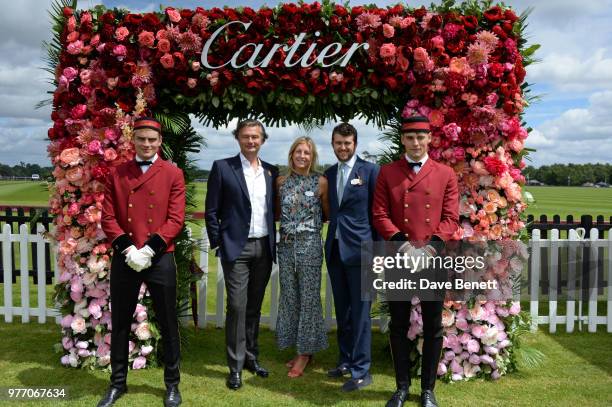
(432, 345)
(125, 284)
(246, 279)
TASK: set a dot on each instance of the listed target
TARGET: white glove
(140, 259)
(129, 249)
(426, 253)
(406, 248)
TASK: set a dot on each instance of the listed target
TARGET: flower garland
(462, 67)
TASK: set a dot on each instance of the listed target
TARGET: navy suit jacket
(353, 217)
(228, 207)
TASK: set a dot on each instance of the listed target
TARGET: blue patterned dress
(300, 257)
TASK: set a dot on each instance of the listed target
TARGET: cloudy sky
(572, 123)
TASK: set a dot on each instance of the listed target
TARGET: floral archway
(462, 66)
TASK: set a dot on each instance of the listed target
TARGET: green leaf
(215, 101)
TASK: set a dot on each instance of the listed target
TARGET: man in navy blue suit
(352, 181)
(239, 213)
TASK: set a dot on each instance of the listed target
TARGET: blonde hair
(313, 154)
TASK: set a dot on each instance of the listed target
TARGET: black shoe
(338, 371)
(428, 399)
(398, 398)
(173, 397)
(254, 367)
(356, 384)
(234, 381)
(112, 394)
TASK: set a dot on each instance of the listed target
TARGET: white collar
(350, 163)
(246, 163)
(138, 159)
(423, 160)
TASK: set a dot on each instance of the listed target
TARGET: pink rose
(110, 154)
(449, 355)
(78, 111)
(192, 82)
(145, 350)
(74, 174)
(66, 321)
(453, 341)
(442, 369)
(139, 362)
(110, 134)
(94, 147)
(456, 367)
(67, 342)
(461, 324)
(74, 48)
(78, 325)
(121, 33)
(70, 73)
(515, 308)
(472, 346)
(478, 330)
(167, 61)
(95, 310)
(195, 66)
(146, 39)
(70, 156)
(95, 40)
(120, 51)
(71, 25)
(387, 50)
(388, 30)
(474, 359)
(112, 82)
(448, 318)
(86, 18)
(495, 374)
(173, 15)
(163, 45)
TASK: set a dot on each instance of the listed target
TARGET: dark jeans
(246, 279)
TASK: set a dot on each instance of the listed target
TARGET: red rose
(509, 107)
(493, 14)
(186, 13)
(494, 165)
(507, 26)
(146, 39)
(150, 19)
(100, 172)
(163, 45)
(133, 19)
(341, 11)
(108, 18)
(510, 16)
(68, 12)
(436, 21)
(420, 12)
(390, 82)
(499, 32)
(470, 22)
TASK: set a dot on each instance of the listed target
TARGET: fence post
(553, 267)
(203, 283)
(7, 258)
(571, 280)
(593, 265)
(534, 290)
(25, 273)
(609, 313)
(41, 272)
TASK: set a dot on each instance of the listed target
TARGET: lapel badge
(269, 173)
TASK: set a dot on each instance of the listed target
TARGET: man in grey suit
(239, 213)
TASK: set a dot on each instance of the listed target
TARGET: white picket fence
(573, 318)
(574, 304)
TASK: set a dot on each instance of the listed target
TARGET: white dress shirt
(423, 161)
(346, 172)
(256, 184)
(144, 168)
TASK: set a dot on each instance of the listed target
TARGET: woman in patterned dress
(301, 208)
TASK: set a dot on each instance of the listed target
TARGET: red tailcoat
(140, 208)
(418, 205)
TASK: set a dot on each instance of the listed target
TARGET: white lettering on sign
(292, 59)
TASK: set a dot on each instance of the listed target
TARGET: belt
(252, 239)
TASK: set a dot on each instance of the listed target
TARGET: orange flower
(492, 195)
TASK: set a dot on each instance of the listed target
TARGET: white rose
(490, 337)
(143, 332)
(78, 325)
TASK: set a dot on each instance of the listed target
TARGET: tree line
(570, 174)
(25, 170)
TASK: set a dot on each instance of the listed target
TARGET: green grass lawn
(550, 201)
(576, 371)
(575, 201)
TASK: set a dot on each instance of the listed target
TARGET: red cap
(147, 123)
(415, 124)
